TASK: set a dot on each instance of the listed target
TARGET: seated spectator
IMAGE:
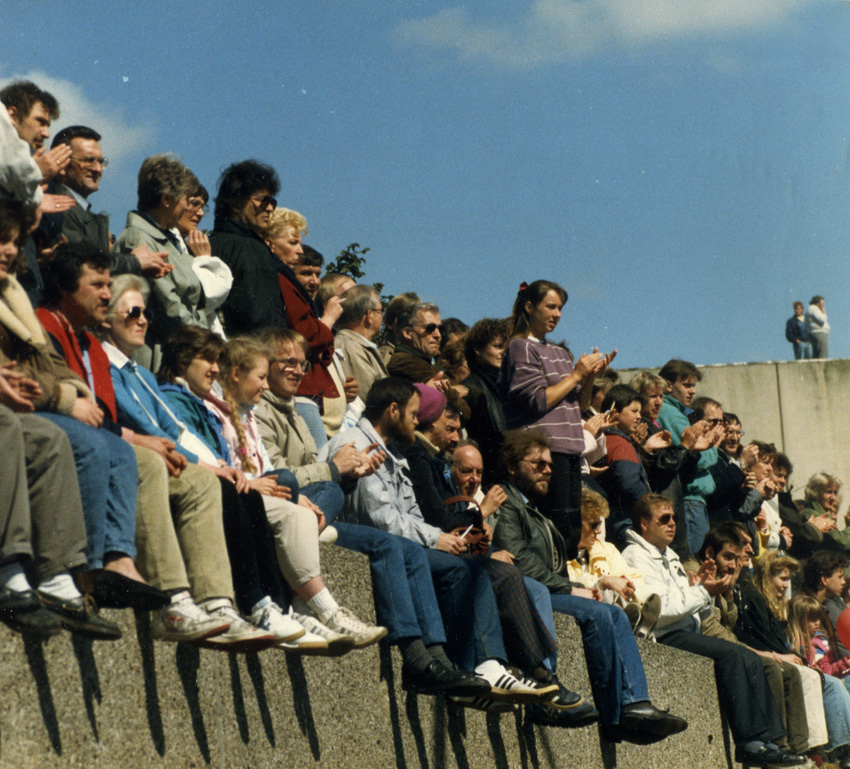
(391, 313)
(625, 480)
(420, 332)
(452, 362)
(807, 637)
(613, 662)
(386, 500)
(484, 348)
(404, 600)
(308, 271)
(797, 693)
(604, 382)
(824, 579)
(295, 526)
(177, 298)
(806, 537)
(283, 237)
(821, 500)
(243, 206)
(467, 472)
(455, 330)
(599, 566)
(741, 684)
(332, 284)
(540, 387)
(358, 326)
(214, 275)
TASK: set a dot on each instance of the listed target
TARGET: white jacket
(682, 604)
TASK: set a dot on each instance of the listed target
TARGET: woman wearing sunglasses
(176, 298)
(541, 388)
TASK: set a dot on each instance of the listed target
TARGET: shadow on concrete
(301, 703)
(494, 734)
(188, 660)
(386, 671)
(38, 668)
(411, 709)
(89, 678)
(255, 673)
(527, 740)
(154, 714)
(608, 751)
(238, 699)
(454, 718)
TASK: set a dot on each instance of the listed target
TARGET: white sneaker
(345, 622)
(309, 643)
(273, 619)
(506, 687)
(242, 637)
(184, 620)
(337, 644)
(328, 535)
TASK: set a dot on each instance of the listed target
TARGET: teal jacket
(674, 417)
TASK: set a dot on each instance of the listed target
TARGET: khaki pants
(295, 530)
(179, 532)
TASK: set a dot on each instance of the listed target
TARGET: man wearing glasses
(243, 206)
(742, 687)
(420, 332)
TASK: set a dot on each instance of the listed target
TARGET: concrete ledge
(136, 703)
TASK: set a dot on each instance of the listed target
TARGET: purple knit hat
(432, 403)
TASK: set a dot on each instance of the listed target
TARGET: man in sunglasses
(243, 206)
(420, 333)
(614, 665)
(742, 686)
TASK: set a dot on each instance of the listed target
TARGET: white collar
(116, 357)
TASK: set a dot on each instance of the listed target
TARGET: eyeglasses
(134, 313)
(379, 310)
(197, 204)
(430, 328)
(90, 160)
(264, 202)
(665, 519)
(290, 364)
(539, 464)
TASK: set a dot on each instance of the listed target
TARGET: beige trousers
(295, 530)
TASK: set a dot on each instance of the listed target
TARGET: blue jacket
(190, 409)
(795, 329)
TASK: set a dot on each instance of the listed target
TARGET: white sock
(323, 604)
(60, 586)
(12, 576)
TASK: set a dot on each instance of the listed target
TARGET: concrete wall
(137, 703)
(801, 406)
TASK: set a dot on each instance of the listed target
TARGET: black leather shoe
(80, 616)
(616, 733)
(22, 612)
(565, 699)
(112, 590)
(438, 679)
(645, 717)
(545, 715)
(768, 755)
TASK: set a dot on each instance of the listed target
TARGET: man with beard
(613, 661)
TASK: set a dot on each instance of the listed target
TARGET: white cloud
(557, 30)
(120, 138)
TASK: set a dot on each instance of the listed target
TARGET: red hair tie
(522, 287)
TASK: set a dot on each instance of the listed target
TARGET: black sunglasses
(430, 328)
(134, 313)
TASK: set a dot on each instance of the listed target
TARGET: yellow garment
(604, 560)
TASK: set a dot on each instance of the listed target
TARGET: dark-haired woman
(541, 388)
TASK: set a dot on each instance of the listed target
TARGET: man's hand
(660, 440)
(175, 462)
(198, 243)
(705, 438)
(439, 382)
(504, 556)
(374, 458)
(451, 543)
(749, 456)
(348, 459)
(690, 435)
(88, 412)
(333, 309)
(588, 592)
(621, 585)
(55, 204)
(51, 162)
(493, 500)
(16, 391)
(716, 586)
(639, 433)
(786, 534)
(597, 423)
(152, 263)
(351, 389)
(268, 486)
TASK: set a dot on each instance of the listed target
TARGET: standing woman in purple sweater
(541, 388)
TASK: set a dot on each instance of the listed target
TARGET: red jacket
(56, 324)
(301, 316)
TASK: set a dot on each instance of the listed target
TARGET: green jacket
(538, 548)
(840, 537)
(672, 417)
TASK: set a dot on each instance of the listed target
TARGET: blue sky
(680, 167)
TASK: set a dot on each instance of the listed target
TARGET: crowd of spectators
(187, 415)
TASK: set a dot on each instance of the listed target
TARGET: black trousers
(742, 688)
(563, 502)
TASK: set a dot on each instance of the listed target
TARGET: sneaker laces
(350, 621)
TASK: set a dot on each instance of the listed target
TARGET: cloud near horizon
(558, 30)
(120, 138)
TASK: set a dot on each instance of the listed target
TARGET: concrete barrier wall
(801, 406)
(137, 703)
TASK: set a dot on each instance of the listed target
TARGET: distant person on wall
(795, 332)
(817, 327)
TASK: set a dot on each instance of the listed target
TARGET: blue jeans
(469, 609)
(802, 350)
(696, 523)
(109, 482)
(836, 707)
(309, 411)
(404, 597)
(541, 598)
(613, 660)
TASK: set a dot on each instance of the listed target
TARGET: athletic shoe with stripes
(506, 687)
